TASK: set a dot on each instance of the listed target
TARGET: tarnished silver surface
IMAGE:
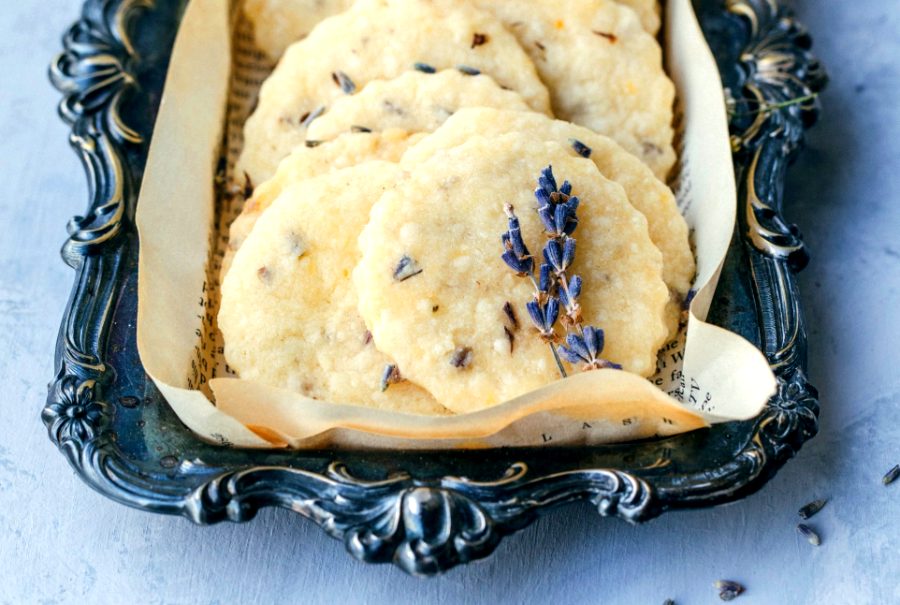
(424, 512)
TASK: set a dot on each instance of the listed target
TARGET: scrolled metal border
(422, 526)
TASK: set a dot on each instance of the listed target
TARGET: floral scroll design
(771, 109)
(792, 416)
(73, 415)
(94, 75)
(772, 105)
(423, 527)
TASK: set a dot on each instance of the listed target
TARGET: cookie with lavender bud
(415, 101)
(307, 162)
(377, 39)
(650, 196)
(289, 309)
(458, 324)
(603, 70)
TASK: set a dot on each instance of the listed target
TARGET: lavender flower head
(555, 291)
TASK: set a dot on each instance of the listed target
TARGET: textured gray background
(60, 542)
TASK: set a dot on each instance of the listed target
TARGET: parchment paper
(189, 197)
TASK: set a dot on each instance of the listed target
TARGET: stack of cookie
(365, 268)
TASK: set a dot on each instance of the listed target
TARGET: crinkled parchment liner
(706, 375)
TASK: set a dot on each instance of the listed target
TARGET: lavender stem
(559, 365)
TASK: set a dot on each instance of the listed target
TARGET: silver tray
(424, 511)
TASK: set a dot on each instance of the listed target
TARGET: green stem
(768, 108)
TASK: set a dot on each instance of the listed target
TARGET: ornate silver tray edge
(423, 517)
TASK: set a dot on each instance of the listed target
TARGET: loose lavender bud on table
(811, 536)
(891, 475)
(811, 509)
(728, 589)
(467, 70)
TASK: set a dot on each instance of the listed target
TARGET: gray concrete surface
(62, 543)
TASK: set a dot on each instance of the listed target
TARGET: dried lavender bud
(367, 338)
(553, 255)
(264, 275)
(545, 279)
(586, 348)
(511, 315)
(811, 536)
(811, 509)
(311, 143)
(393, 108)
(728, 590)
(425, 68)
(344, 81)
(688, 299)
(309, 116)
(296, 247)
(580, 148)
(511, 338)
(390, 375)
(467, 70)
(479, 39)
(247, 191)
(406, 268)
(355, 128)
(611, 37)
(546, 181)
(544, 317)
(569, 296)
(515, 252)
(891, 475)
(461, 357)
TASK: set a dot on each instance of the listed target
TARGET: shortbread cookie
(279, 23)
(289, 309)
(377, 39)
(653, 199)
(307, 162)
(416, 101)
(433, 287)
(647, 11)
(603, 70)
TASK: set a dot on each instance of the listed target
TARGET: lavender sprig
(556, 291)
(558, 209)
(543, 309)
